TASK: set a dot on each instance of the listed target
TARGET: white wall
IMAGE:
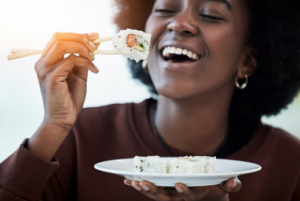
(30, 24)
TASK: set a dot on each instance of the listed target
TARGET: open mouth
(179, 55)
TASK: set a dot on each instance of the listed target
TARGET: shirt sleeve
(296, 195)
(23, 176)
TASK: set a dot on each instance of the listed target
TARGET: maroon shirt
(124, 131)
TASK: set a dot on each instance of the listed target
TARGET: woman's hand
(63, 84)
(62, 80)
(182, 192)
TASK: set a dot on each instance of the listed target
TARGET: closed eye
(210, 17)
(164, 11)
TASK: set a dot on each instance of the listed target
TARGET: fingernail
(137, 188)
(234, 184)
(92, 45)
(91, 56)
(126, 182)
(97, 69)
(145, 187)
(93, 35)
(179, 189)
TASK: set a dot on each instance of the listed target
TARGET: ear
(248, 63)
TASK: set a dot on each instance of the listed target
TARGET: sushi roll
(151, 164)
(181, 165)
(187, 164)
(133, 44)
(210, 163)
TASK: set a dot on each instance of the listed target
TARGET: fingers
(52, 62)
(85, 39)
(62, 69)
(75, 61)
(182, 192)
(232, 185)
(60, 48)
(159, 193)
(219, 192)
(152, 191)
(127, 182)
(61, 43)
(188, 193)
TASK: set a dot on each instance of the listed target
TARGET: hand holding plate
(182, 192)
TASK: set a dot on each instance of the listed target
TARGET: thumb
(232, 185)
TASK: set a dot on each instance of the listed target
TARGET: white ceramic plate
(225, 169)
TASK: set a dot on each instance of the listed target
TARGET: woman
(244, 64)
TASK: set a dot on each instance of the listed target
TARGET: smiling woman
(216, 68)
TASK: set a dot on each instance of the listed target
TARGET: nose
(184, 24)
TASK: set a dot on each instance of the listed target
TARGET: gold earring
(244, 85)
(144, 65)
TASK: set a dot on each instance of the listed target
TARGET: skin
(195, 97)
(63, 87)
(194, 100)
(192, 108)
(182, 192)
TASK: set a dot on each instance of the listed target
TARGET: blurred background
(29, 24)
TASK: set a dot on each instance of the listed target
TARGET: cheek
(225, 46)
(156, 27)
(223, 40)
(149, 25)
(150, 28)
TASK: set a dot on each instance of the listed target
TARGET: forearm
(23, 175)
(46, 140)
(6, 195)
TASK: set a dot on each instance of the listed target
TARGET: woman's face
(197, 46)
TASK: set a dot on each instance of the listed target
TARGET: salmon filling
(132, 43)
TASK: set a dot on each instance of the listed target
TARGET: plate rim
(121, 172)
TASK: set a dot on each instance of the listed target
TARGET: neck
(194, 126)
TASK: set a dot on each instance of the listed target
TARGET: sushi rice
(181, 165)
(151, 164)
(140, 52)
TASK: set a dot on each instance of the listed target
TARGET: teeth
(195, 56)
(178, 51)
(165, 52)
(173, 50)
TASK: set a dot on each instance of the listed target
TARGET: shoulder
(282, 139)
(278, 145)
(278, 153)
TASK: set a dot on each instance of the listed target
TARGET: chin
(174, 91)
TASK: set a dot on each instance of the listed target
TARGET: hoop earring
(244, 85)
(145, 68)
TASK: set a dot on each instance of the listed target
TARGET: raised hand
(63, 84)
(63, 80)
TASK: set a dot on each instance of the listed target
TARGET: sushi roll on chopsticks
(133, 44)
(181, 165)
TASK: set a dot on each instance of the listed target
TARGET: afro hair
(274, 33)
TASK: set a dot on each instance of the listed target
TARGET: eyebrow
(225, 2)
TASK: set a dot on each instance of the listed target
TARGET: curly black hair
(274, 33)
